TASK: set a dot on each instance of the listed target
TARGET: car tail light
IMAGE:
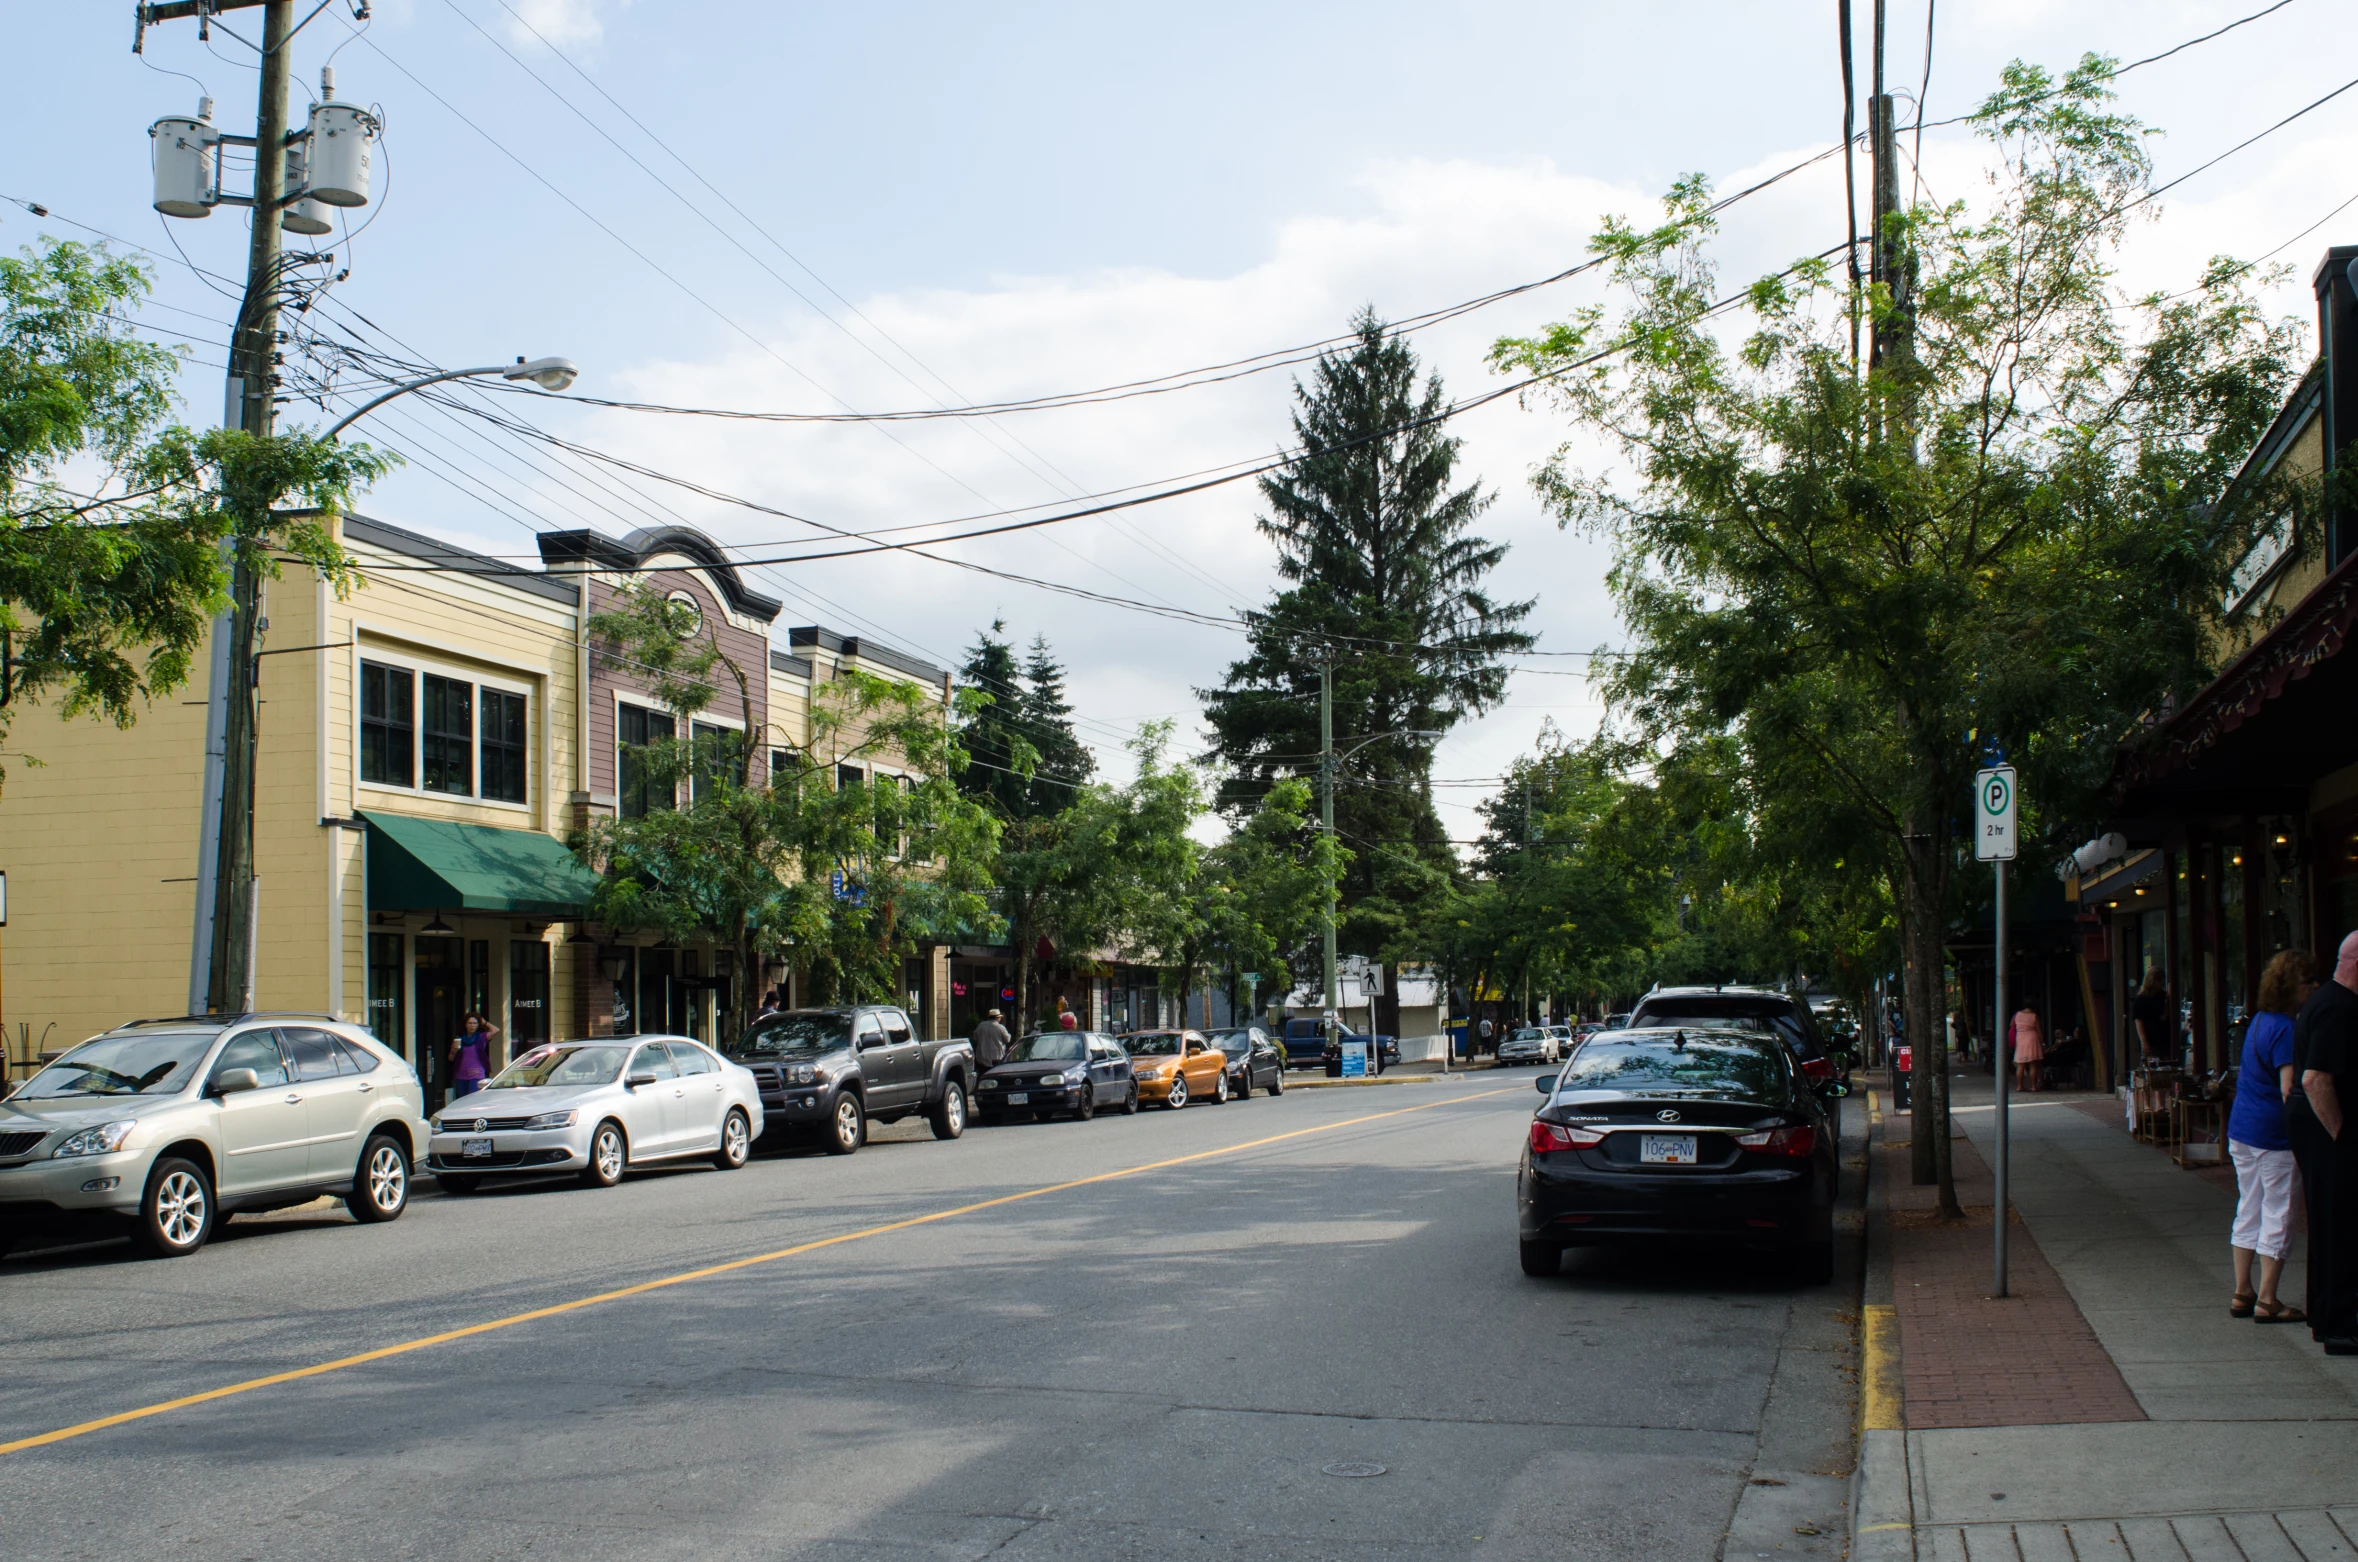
(1781, 1141)
(1546, 1137)
(1817, 1068)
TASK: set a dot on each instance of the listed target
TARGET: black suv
(1743, 1008)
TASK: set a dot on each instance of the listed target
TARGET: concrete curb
(1882, 1498)
(1360, 1084)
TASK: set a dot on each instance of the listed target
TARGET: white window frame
(419, 667)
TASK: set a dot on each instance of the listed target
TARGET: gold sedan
(1175, 1067)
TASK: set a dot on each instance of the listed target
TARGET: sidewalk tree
(750, 861)
(1384, 578)
(2009, 531)
(113, 526)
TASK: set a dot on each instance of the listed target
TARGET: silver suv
(167, 1126)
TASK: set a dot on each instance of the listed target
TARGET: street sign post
(1994, 838)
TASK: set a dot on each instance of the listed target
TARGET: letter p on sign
(1993, 815)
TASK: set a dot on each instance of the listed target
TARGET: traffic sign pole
(1994, 838)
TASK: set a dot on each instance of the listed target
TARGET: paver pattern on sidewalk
(2299, 1535)
(1971, 1359)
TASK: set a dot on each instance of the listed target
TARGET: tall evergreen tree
(1046, 720)
(1386, 580)
(999, 760)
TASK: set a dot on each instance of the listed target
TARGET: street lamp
(1332, 1018)
(550, 374)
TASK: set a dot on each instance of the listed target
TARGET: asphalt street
(1158, 1364)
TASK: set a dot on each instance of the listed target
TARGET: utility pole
(1326, 821)
(221, 961)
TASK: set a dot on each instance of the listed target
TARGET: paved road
(1150, 1365)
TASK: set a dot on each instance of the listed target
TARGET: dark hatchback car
(1058, 1073)
(1743, 1008)
(1254, 1062)
(1707, 1137)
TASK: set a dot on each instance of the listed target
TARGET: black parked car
(1254, 1062)
(1743, 1008)
(1058, 1072)
(1679, 1135)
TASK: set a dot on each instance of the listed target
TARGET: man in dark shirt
(2322, 1114)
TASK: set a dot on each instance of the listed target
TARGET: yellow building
(417, 752)
(427, 747)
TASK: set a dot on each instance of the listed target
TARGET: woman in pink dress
(2029, 1048)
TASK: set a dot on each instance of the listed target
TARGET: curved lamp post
(550, 374)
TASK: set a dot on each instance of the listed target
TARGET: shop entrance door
(441, 983)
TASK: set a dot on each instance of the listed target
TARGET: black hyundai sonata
(1707, 1137)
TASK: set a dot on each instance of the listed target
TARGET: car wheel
(1540, 1259)
(848, 1130)
(609, 1156)
(1220, 1089)
(1277, 1083)
(1130, 1101)
(1814, 1263)
(457, 1182)
(1086, 1107)
(736, 1146)
(176, 1214)
(380, 1188)
(1178, 1096)
(949, 1113)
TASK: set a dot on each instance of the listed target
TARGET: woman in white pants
(2257, 1140)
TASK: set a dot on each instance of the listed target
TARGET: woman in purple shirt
(470, 1057)
(2257, 1141)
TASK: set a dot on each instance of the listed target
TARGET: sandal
(2280, 1312)
(2241, 1304)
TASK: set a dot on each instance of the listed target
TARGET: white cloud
(560, 22)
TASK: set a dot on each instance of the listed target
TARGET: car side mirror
(232, 1080)
(1545, 1084)
(638, 1080)
(1833, 1089)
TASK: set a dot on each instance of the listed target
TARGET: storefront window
(384, 990)
(528, 994)
(479, 976)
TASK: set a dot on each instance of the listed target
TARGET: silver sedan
(597, 1109)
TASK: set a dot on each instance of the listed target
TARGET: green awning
(435, 865)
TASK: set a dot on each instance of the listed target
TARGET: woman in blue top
(2257, 1140)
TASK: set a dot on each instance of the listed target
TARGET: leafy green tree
(1109, 869)
(1385, 580)
(108, 594)
(2009, 529)
(752, 865)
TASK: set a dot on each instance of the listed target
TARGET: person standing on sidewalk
(2259, 1144)
(2325, 1143)
(990, 1043)
(2151, 1013)
(2030, 1048)
(470, 1057)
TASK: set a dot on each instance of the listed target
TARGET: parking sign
(1993, 815)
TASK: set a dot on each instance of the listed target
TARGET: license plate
(1018, 1097)
(1667, 1149)
(474, 1149)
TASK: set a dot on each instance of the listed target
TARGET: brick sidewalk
(1966, 1358)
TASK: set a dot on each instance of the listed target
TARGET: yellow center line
(85, 1428)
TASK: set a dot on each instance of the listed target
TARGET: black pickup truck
(837, 1070)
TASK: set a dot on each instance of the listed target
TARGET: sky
(788, 207)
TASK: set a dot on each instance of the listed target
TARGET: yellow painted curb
(1879, 1382)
